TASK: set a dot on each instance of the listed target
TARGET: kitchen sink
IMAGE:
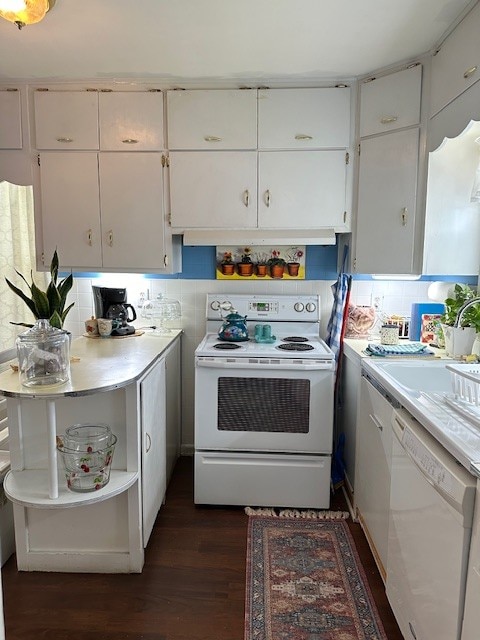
(418, 375)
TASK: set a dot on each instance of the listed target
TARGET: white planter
(458, 340)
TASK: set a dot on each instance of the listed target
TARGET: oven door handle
(255, 366)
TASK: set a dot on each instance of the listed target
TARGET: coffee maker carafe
(112, 303)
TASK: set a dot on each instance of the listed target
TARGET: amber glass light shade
(26, 12)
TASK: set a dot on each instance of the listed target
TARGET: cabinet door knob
(212, 139)
(303, 136)
(89, 237)
(246, 198)
(129, 141)
(469, 72)
(404, 216)
(388, 119)
(64, 139)
(110, 238)
(267, 197)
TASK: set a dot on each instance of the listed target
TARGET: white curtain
(17, 251)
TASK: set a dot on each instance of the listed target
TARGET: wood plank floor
(192, 586)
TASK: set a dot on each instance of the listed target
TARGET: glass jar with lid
(43, 355)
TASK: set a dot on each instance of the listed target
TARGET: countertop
(98, 364)
(355, 348)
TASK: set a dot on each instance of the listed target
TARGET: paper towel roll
(440, 291)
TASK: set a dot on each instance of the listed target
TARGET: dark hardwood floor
(192, 586)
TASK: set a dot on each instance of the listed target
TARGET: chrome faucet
(462, 310)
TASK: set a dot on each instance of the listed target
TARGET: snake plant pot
(458, 340)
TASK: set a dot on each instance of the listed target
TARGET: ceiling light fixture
(22, 12)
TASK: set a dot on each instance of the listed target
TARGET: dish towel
(410, 349)
(340, 290)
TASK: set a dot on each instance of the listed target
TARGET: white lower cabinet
(373, 469)
(104, 211)
(154, 442)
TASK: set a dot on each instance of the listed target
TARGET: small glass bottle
(43, 355)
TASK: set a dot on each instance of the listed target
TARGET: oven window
(264, 404)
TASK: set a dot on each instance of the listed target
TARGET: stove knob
(298, 306)
(215, 305)
(311, 307)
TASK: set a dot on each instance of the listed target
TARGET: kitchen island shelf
(29, 488)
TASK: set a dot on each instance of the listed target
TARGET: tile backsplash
(390, 296)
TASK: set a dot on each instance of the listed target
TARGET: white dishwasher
(431, 511)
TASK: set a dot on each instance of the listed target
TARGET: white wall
(394, 297)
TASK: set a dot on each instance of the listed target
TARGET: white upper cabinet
(131, 120)
(390, 102)
(304, 118)
(11, 120)
(301, 189)
(66, 120)
(456, 66)
(387, 192)
(216, 190)
(212, 119)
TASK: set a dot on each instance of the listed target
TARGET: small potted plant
(293, 264)
(261, 264)
(49, 304)
(459, 339)
(227, 266)
(245, 266)
(276, 264)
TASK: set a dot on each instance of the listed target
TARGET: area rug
(305, 580)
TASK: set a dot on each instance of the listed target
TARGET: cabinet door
(66, 120)
(154, 483)
(173, 403)
(301, 189)
(385, 231)
(212, 119)
(456, 66)
(11, 120)
(213, 189)
(391, 102)
(131, 121)
(131, 192)
(373, 468)
(70, 208)
(304, 118)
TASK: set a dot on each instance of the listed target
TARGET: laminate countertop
(97, 364)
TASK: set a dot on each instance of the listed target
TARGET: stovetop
(313, 347)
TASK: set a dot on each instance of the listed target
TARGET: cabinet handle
(165, 260)
(303, 136)
(267, 197)
(376, 422)
(212, 139)
(469, 72)
(404, 216)
(148, 443)
(110, 238)
(388, 119)
(129, 141)
(64, 139)
(246, 198)
(89, 237)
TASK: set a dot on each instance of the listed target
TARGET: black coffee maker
(111, 302)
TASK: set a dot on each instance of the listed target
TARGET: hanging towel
(340, 290)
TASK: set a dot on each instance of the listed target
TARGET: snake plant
(49, 304)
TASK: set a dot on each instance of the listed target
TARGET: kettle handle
(134, 314)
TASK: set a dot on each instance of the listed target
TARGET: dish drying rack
(466, 390)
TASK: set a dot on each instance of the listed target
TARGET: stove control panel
(270, 307)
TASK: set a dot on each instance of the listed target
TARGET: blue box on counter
(418, 309)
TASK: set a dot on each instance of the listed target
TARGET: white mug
(104, 327)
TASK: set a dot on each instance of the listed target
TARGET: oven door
(263, 407)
